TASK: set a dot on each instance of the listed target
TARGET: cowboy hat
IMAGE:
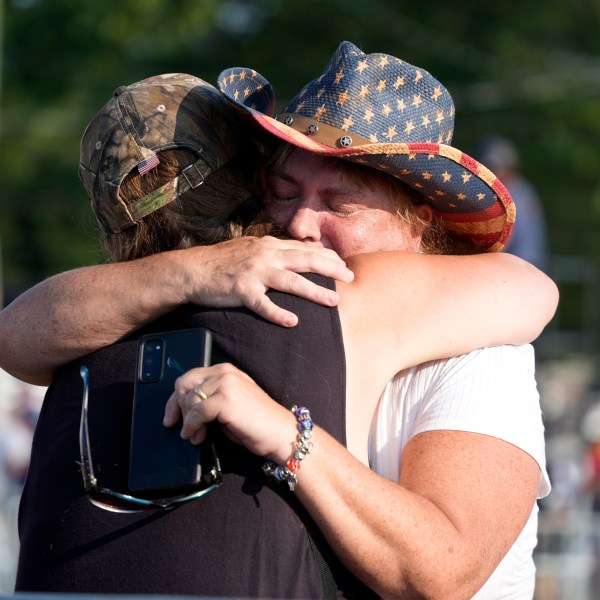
(383, 112)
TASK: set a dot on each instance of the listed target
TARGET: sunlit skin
(309, 197)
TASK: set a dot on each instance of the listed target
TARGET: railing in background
(568, 556)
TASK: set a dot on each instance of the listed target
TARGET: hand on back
(240, 272)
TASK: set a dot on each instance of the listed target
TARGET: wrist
(181, 274)
(288, 471)
(198, 272)
(155, 283)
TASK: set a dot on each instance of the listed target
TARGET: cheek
(370, 233)
(362, 233)
(348, 238)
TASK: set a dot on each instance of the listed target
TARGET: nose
(305, 225)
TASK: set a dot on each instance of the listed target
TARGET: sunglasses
(124, 503)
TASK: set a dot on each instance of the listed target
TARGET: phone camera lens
(151, 360)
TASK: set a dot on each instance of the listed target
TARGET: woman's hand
(239, 272)
(247, 415)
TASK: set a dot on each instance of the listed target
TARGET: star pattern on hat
(424, 112)
(361, 66)
(343, 98)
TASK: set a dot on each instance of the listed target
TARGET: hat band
(321, 132)
(190, 178)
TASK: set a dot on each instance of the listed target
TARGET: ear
(425, 212)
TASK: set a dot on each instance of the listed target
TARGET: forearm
(398, 543)
(77, 312)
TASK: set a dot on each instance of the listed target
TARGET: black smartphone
(161, 463)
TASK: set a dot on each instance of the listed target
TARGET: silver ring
(198, 391)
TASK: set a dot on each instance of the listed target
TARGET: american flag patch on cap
(148, 164)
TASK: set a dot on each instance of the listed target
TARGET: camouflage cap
(173, 111)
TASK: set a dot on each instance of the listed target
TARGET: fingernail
(291, 321)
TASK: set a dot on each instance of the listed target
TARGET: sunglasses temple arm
(84, 434)
(213, 451)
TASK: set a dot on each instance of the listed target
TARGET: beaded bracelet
(289, 472)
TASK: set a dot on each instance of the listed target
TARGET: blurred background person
(529, 237)
(20, 404)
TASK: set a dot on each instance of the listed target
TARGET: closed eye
(342, 211)
(281, 199)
